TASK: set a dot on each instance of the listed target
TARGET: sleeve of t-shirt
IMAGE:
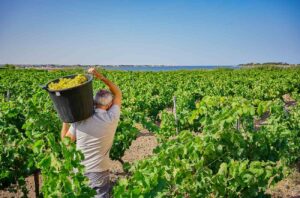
(72, 129)
(114, 112)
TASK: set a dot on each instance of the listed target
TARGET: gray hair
(103, 97)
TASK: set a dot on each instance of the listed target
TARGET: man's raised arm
(113, 88)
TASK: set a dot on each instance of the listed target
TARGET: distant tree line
(269, 64)
(8, 66)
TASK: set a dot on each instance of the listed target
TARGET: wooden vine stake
(175, 115)
(36, 183)
(238, 124)
(7, 95)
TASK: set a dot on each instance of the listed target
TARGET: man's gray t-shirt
(94, 138)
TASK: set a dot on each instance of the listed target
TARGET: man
(94, 136)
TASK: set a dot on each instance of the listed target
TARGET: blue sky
(186, 32)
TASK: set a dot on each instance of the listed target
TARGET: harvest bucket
(73, 104)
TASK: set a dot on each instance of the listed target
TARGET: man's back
(95, 137)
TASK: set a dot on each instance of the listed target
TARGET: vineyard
(221, 133)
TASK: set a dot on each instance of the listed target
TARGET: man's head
(103, 99)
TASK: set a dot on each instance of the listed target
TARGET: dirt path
(29, 185)
(289, 187)
(140, 148)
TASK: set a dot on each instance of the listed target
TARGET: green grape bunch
(65, 83)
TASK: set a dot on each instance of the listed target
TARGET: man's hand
(64, 129)
(65, 132)
(95, 73)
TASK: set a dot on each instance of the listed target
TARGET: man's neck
(101, 107)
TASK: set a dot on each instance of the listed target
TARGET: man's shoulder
(82, 123)
(110, 115)
(115, 108)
